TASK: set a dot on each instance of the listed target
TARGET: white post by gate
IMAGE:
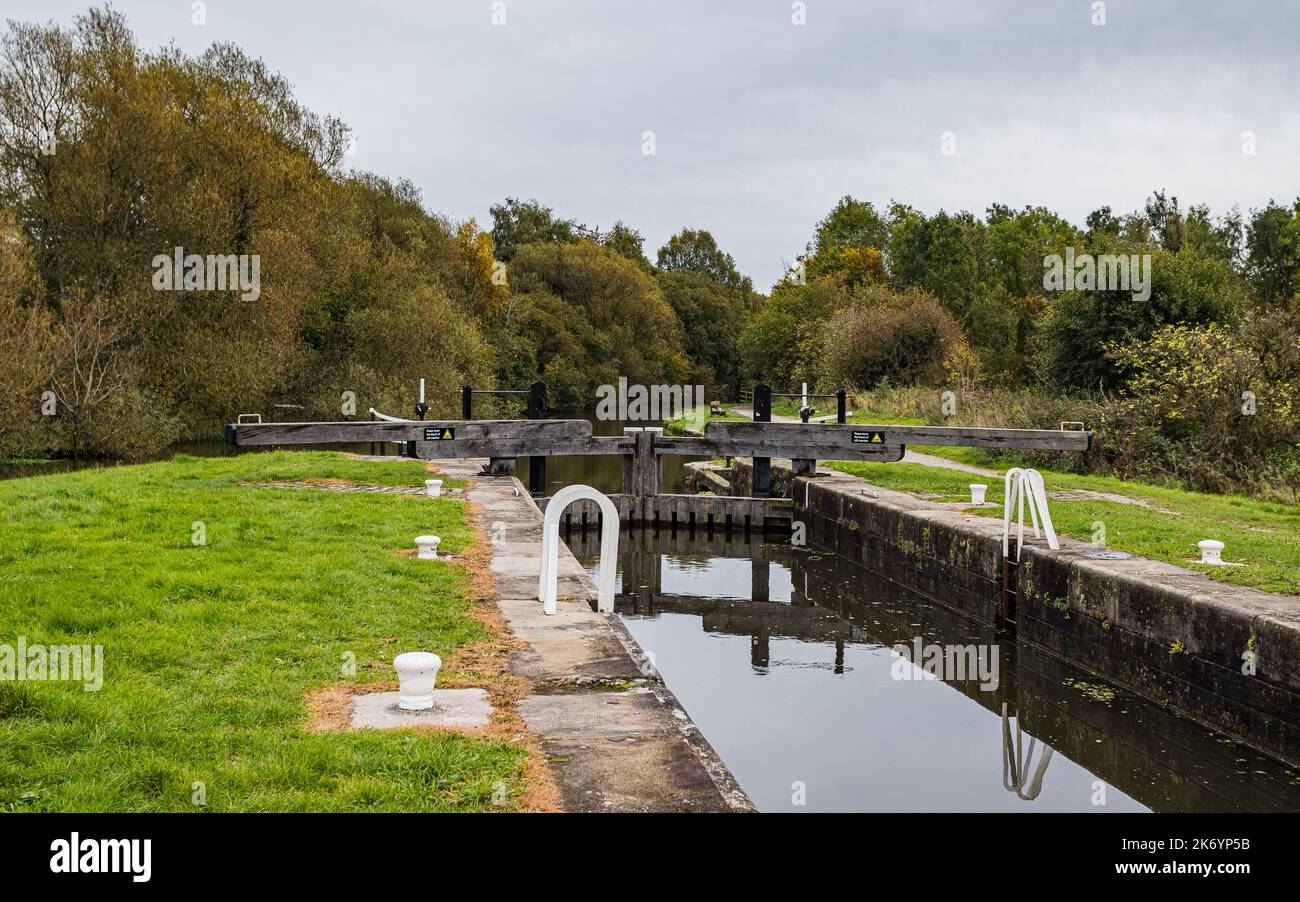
(548, 578)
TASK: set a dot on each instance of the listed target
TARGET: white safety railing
(548, 578)
(387, 419)
(1022, 485)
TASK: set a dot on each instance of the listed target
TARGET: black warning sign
(439, 433)
(864, 437)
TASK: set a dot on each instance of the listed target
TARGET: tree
(781, 342)
(1019, 241)
(696, 251)
(1184, 412)
(935, 254)
(516, 223)
(901, 339)
(590, 304)
(851, 223)
(1273, 254)
(212, 154)
(1081, 326)
(850, 266)
(628, 242)
(711, 318)
(25, 339)
(1102, 223)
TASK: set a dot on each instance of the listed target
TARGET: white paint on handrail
(386, 418)
(548, 578)
(1020, 484)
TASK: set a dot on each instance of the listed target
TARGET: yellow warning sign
(439, 433)
(865, 437)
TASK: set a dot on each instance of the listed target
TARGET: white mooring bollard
(433, 487)
(1211, 551)
(547, 579)
(428, 547)
(977, 491)
(417, 673)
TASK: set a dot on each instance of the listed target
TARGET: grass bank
(1165, 524)
(211, 650)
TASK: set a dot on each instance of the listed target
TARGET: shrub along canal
(787, 659)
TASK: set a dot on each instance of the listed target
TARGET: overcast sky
(759, 124)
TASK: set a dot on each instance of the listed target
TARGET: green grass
(696, 420)
(1265, 535)
(330, 465)
(210, 650)
(975, 457)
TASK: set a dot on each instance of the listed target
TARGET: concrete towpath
(616, 737)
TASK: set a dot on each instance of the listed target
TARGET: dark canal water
(784, 659)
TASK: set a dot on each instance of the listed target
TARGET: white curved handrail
(1019, 484)
(386, 418)
(548, 578)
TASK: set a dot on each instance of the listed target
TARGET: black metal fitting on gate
(467, 393)
(762, 486)
(537, 410)
(537, 463)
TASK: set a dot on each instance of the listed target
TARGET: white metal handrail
(548, 578)
(1019, 485)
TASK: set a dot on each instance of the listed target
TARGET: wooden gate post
(641, 467)
(645, 452)
(762, 482)
(632, 462)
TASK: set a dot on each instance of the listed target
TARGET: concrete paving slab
(451, 708)
(615, 751)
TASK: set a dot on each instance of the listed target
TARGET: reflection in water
(784, 659)
(1015, 763)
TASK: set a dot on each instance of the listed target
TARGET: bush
(1080, 326)
(1213, 408)
(884, 336)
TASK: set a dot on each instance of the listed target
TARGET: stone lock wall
(1171, 635)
